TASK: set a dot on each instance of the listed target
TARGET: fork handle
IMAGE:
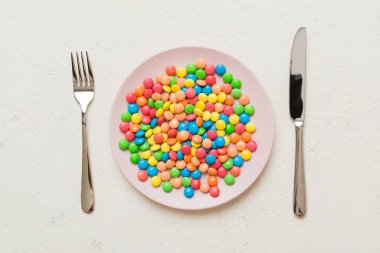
(87, 193)
(299, 194)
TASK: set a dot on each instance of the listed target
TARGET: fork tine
(80, 72)
(74, 70)
(91, 76)
(84, 71)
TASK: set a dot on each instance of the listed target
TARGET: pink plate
(263, 118)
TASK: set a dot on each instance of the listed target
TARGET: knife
(297, 96)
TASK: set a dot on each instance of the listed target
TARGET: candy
(184, 124)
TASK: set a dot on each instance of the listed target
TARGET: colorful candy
(188, 127)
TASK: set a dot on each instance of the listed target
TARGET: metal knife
(297, 96)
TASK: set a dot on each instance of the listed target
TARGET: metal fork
(84, 90)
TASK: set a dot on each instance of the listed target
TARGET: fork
(84, 90)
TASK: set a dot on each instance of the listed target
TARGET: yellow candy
(136, 118)
(151, 140)
(250, 127)
(176, 88)
(202, 97)
(176, 147)
(222, 97)
(220, 133)
(167, 105)
(189, 83)
(167, 88)
(214, 116)
(206, 115)
(172, 107)
(145, 154)
(234, 119)
(159, 112)
(155, 181)
(165, 147)
(193, 151)
(198, 112)
(212, 98)
(227, 141)
(152, 161)
(195, 145)
(200, 105)
(149, 133)
(165, 137)
(181, 72)
(246, 154)
(157, 130)
(155, 147)
(220, 124)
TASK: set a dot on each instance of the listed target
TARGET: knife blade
(297, 96)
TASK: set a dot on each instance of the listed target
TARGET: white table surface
(40, 136)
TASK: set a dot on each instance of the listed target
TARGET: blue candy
(152, 171)
(143, 164)
(197, 89)
(165, 157)
(191, 76)
(224, 117)
(188, 192)
(185, 172)
(133, 108)
(153, 123)
(220, 69)
(213, 145)
(238, 161)
(212, 127)
(183, 126)
(207, 124)
(193, 128)
(244, 118)
(210, 159)
(204, 136)
(139, 141)
(207, 89)
(184, 89)
(196, 174)
(180, 155)
(140, 133)
(220, 141)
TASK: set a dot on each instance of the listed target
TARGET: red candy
(158, 138)
(235, 171)
(190, 93)
(171, 70)
(210, 69)
(211, 80)
(239, 128)
(148, 83)
(131, 98)
(124, 126)
(129, 136)
(146, 120)
(193, 100)
(191, 117)
(228, 110)
(195, 183)
(213, 152)
(160, 120)
(222, 172)
(172, 155)
(172, 133)
(145, 110)
(200, 153)
(210, 107)
(157, 88)
(227, 88)
(186, 149)
(214, 191)
(217, 164)
(148, 93)
(251, 146)
(212, 135)
(142, 175)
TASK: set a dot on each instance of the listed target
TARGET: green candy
(167, 186)
(158, 155)
(249, 109)
(200, 74)
(126, 116)
(133, 148)
(135, 158)
(145, 146)
(229, 128)
(228, 164)
(189, 108)
(173, 80)
(123, 144)
(186, 181)
(159, 104)
(201, 131)
(145, 127)
(191, 68)
(174, 172)
(227, 77)
(236, 84)
(236, 93)
(150, 102)
(229, 179)
(238, 109)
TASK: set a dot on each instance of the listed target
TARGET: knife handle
(299, 194)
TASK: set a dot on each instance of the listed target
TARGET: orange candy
(173, 123)
(197, 138)
(165, 79)
(180, 164)
(244, 100)
(232, 152)
(165, 127)
(161, 166)
(206, 143)
(156, 96)
(134, 127)
(190, 166)
(176, 182)
(180, 95)
(234, 137)
(201, 82)
(216, 88)
(181, 116)
(229, 100)
(195, 161)
(168, 115)
(183, 135)
(212, 180)
(218, 107)
(212, 171)
(179, 108)
(139, 91)
(204, 188)
(165, 97)
(165, 176)
(187, 158)
(158, 78)
(199, 121)
(201, 64)
(222, 158)
(203, 167)
(170, 164)
(246, 137)
(240, 145)
(173, 98)
(181, 82)
(141, 101)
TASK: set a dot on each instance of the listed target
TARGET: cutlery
(84, 90)
(297, 96)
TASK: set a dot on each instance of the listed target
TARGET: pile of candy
(185, 125)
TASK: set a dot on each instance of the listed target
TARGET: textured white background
(40, 143)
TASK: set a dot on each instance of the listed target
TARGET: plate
(263, 118)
